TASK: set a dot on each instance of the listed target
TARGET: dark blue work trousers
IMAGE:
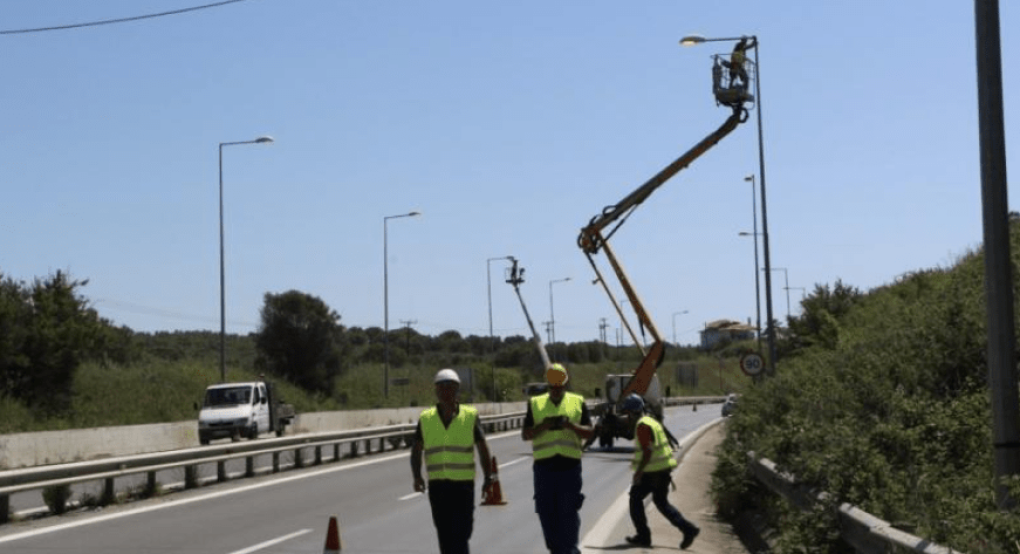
(453, 512)
(657, 484)
(558, 502)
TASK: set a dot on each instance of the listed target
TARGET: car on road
(729, 405)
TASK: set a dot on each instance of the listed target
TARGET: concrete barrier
(20, 450)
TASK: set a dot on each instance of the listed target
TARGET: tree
(46, 331)
(822, 312)
(300, 338)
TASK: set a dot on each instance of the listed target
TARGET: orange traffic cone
(494, 494)
(333, 544)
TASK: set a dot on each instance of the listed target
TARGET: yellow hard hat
(556, 375)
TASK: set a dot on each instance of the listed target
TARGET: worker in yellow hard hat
(557, 423)
(448, 435)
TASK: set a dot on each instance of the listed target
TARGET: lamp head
(264, 139)
(691, 40)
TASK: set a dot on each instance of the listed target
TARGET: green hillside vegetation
(113, 376)
(880, 399)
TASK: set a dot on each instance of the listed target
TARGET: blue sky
(508, 125)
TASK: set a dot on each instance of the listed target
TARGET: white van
(234, 410)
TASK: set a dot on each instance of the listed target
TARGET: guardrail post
(109, 496)
(276, 462)
(190, 477)
(368, 446)
(221, 470)
(318, 455)
(382, 445)
(249, 466)
(299, 461)
(150, 484)
(354, 449)
(5, 508)
(336, 452)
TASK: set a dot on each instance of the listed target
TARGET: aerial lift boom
(595, 237)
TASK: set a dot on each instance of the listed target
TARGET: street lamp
(386, 302)
(223, 301)
(552, 317)
(674, 326)
(691, 40)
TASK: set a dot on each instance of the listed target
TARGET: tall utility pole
(1002, 374)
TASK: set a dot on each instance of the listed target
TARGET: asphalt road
(371, 497)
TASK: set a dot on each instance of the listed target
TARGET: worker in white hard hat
(448, 435)
(557, 423)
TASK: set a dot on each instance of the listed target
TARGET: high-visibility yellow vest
(662, 453)
(563, 442)
(450, 451)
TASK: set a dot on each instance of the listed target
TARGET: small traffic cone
(333, 544)
(494, 494)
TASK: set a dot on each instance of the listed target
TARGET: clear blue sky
(508, 125)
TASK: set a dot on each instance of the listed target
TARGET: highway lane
(372, 498)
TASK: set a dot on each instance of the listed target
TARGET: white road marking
(176, 503)
(269, 543)
(510, 463)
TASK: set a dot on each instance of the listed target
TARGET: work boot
(689, 538)
(638, 540)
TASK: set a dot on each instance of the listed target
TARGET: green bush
(884, 406)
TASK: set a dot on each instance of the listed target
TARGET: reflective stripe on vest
(450, 451)
(662, 453)
(564, 442)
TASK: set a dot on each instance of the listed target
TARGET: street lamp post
(386, 302)
(223, 301)
(754, 232)
(552, 316)
(757, 287)
(674, 326)
(698, 39)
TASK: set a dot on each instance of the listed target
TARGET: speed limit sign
(752, 364)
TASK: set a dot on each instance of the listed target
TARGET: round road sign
(752, 364)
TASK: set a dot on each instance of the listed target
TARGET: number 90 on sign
(752, 364)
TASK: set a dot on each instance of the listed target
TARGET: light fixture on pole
(691, 40)
(552, 316)
(386, 302)
(674, 326)
(223, 301)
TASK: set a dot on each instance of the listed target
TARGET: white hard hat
(447, 375)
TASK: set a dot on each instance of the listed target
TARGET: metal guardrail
(190, 459)
(866, 533)
(108, 470)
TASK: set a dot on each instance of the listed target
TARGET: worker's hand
(486, 485)
(419, 484)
